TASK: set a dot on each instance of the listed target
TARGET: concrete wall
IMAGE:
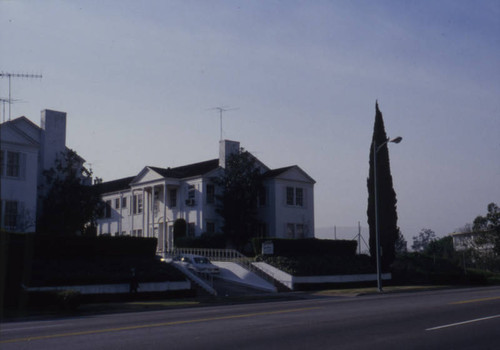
(290, 281)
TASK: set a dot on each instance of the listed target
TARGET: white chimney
(226, 148)
(53, 137)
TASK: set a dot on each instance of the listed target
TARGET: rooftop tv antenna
(222, 109)
(16, 75)
(4, 101)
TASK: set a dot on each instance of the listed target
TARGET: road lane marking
(462, 323)
(152, 325)
(474, 300)
(25, 328)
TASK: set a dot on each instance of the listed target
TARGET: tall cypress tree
(387, 214)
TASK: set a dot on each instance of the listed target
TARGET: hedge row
(213, 241)
(321, 265)
(308, 246)
(85, 246)
(421, 268)
(100, 270)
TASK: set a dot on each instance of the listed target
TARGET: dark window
(107, 210)
(137, 204)
(124, 202)
(117, 203)
(299, 197)
(11, 210)
(300, 231)
(210, 194)
(13, 164)
(191, 190)
(289, 196)
(295, 196)
(173, 198)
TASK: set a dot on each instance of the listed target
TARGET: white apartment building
(148, 204)
(26, 150)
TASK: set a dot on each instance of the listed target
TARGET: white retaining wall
(233, 272)
(289, 280)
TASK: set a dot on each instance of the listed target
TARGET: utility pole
(359, 238)
(16, 75)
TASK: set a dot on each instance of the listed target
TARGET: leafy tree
(240, 183)
(423, 239)
(441, 248)
(70, 205)
(387, 214)
(401, 245)
(490, 226)
(180, 230)
(467, 228)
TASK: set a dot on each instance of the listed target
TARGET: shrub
(318, 265)
(421, 268)
(86, 246)
(206, 240)
(307, 246)
(100, 270)
(68, 300)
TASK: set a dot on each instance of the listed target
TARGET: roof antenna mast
(222, 109)
(16, 75)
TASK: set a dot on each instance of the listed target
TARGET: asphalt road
(445, 319)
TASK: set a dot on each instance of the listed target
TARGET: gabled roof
(181, 172)
(21, 120)
(115, 185)
(24, 128)
(190, 170)
(275, 173)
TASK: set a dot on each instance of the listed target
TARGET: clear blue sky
(138, 79)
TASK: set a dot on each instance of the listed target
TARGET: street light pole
(377, 234)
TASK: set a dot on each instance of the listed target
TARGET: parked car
(198, 263)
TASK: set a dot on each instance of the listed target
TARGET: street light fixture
(377, 234)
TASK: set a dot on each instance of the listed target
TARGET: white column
(165, 221)
(152, 211)
(121, 216)
(143, 210)
(132, 199)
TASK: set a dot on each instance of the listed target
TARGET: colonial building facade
(148, 204)
(26, 150)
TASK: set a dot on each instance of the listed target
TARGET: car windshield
(201, 261)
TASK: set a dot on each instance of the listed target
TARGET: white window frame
(295, 196)
(137, 205)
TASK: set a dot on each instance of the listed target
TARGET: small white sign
(267, 248)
